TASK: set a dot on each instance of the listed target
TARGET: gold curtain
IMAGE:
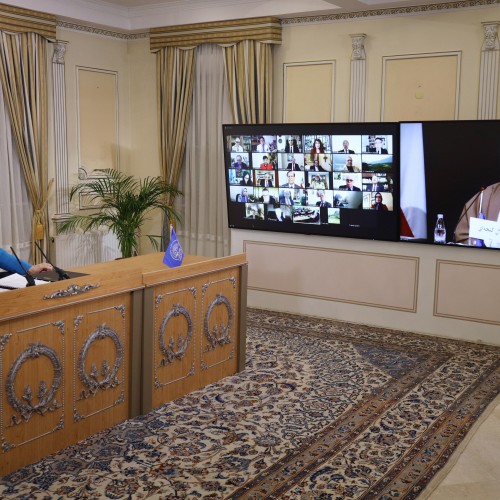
(249, 74)
(24, 84)
(262, 29)
(19, 20)
(175, 72)
(248, 70)
(23, 40)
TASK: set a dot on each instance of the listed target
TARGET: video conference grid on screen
(344, 183)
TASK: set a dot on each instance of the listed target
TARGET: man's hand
(40, 268)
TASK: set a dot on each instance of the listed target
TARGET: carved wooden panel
(175, 324)
(64, 377)
(32, 364)
(99, 347)
(195, 333)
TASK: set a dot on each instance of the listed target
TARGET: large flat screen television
(338, 179)
(451, 168)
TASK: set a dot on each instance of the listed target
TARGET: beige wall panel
(353, 277)
(467, 291)
(308, 92)
(92, 50)
(143, 154)
(420, 88)
(442, 31)
(144, 147)
(135, 66)
(98, 119)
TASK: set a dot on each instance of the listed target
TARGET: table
(80, 355)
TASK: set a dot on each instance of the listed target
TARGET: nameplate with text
(486, 230)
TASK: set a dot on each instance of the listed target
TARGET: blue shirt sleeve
(9, 263)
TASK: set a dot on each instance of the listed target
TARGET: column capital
(358, 46)
(59, 52)
(490, 35)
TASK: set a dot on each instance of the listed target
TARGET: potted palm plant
(125, 203)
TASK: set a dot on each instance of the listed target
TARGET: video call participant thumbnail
(286, 197)
(349, 199)
(317, 147)
(294, 163)
(262, 146)
(237, 146)
(374, 184)
(378, 203)
(265, 165)
(322, 202)
(292, 145)
(266, 197)
(283, 213)
(345, 148)
(314, 166)
(254, 211)
(246, 178)
(238, 163)
(378, 146)
(243, 197)
(266, 180)
(292, 180)
(347, 144)
(349, 184)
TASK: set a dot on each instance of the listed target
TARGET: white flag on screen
(413, 199)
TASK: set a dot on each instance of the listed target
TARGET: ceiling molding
(95, 30)
(395, 11)
(124, 34)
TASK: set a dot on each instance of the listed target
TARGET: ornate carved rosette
(92, 380)
(220, 334)
(182, 344)
(45, 395)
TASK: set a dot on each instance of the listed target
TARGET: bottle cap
(440, 216)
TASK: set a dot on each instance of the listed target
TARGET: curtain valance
(262, 29)
(18, 20)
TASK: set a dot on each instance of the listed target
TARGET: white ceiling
(136, 15)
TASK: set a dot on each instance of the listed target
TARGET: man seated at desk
(484, 204)
(9, 263)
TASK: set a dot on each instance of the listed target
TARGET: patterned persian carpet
(323, 410)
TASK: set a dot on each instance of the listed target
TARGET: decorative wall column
(358, 79)
(60, 135)
(488, 73)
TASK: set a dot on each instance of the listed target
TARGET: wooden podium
(80, 355)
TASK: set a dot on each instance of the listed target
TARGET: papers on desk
(14, 281)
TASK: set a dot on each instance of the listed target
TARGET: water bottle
(440, 231)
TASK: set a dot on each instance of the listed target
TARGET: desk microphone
(465, 212)
(30, 280)
(62, 275)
